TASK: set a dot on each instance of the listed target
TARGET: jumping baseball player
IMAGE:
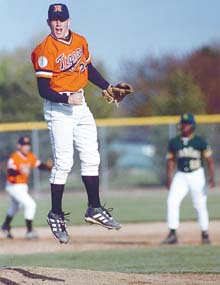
(188, 151)
(63, 67)
(19, 166)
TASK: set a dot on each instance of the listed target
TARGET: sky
(118, 30)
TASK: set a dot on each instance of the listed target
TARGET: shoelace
(107, 210)
(62, 219)
(64, 216)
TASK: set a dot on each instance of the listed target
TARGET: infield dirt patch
(93, 238)
(50, 276)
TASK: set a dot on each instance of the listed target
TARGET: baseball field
(96, 256)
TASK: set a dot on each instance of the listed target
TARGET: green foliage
(169, 85)
(163, 86)
(97, 104)
(20, 100)
(19, 95)
(180, 95)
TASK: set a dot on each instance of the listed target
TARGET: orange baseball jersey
(16, 161)
(65, 63)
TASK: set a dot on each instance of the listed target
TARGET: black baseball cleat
(170, 239)
(7, 232)
(205, 238)
(102, 217)
(58, 226)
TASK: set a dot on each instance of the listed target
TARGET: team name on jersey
(70, 61)
(189, 152)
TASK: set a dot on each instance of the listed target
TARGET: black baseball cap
(187, 119)
(24, 140)
(58, 11)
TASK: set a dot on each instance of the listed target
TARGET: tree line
(165, 85)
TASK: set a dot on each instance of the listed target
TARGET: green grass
(148, 206)
(175, 259)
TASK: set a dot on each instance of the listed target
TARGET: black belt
(71, 93)
(68, 94)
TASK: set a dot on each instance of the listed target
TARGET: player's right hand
(75, 99)
(168, 183)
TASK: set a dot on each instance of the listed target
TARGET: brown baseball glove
(115, 94)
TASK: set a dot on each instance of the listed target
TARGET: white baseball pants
(20, 197)
(69, 127)
(181, 184)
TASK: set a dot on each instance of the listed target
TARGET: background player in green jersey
(186, 154)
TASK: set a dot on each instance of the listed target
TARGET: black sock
(7, 222)
(92, 189)
(56, 197)
(29, 225)
(205, 234)
(172, 231)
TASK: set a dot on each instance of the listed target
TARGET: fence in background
(132, 150)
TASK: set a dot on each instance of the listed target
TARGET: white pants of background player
(20, 197)
(181, 184)
(69, 127)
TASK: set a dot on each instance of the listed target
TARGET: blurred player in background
(19, 167)
(63, 67)
(188, 151)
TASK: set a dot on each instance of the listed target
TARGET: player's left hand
(211, 182)
(115, 94)
(49, 164)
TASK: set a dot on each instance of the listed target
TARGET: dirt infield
(93, 238)
(49, 276)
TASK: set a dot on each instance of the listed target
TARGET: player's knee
(63, 165)
(90, 163)
(91, 157)
(171, 203)
(29, 209)
(89, 168)
(12, 211)
(34, 206)
(200, 207)
(30, 204)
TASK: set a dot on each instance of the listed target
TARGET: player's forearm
(13, 172)
(170, 171)
(47, 93)
(169, 179)
(210, 164)
(96, 78)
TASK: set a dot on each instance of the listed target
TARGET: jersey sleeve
(35, 162)
(11, 164)
(170, 151)
(86, 51)
(207, 152)
(206, 149)
(42, 60)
